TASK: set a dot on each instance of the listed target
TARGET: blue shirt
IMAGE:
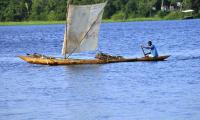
(153, 50)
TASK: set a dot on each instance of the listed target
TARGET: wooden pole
(162, 5)
(68, 3)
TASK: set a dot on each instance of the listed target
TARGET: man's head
(149, 43)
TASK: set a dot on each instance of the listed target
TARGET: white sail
(82, 28)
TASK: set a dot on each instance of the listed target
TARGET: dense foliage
(20, 10)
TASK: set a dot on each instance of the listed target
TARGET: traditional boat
(60, 61)
(81, 34)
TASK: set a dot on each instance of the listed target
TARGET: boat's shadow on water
(80, 69)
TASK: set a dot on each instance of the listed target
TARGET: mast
(162, 7)
(68, 3)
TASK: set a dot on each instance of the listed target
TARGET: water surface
(166, 90)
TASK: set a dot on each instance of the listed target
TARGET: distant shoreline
(63, 22)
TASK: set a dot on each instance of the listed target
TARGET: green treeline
(55, 10)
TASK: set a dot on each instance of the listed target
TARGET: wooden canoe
(60, 61)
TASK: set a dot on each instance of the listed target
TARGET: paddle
(143, 51)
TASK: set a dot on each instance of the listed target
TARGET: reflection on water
(166, 90)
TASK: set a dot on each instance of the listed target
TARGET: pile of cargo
(104, 56)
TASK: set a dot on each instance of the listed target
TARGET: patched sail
(83, 24)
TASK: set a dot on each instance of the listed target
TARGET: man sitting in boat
(153, 51)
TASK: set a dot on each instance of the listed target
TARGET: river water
(166, 90)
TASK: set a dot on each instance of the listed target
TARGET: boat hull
(59, 61)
